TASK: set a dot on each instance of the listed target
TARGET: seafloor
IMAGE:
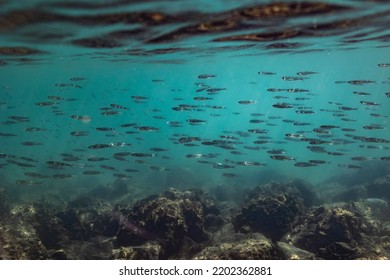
(277, 220)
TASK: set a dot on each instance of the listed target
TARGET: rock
(98, 248)
(335, 232)
(148, 251)
(293, 253)
(18, 238)
(270, 210)
(169, 219)
(241, 247)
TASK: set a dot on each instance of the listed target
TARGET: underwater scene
(194, 129)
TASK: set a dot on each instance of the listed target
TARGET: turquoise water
(92, 94)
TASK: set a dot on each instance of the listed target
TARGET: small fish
(282, 105)
(110, 113)
(31, 143)
(158, 150)
(256, 121)
(373, 126)
(131, 170)
(361, 158)
(265, 73)
(362, 93)
(46, 103)
(27, 182)
(282, 157)
(99, 146)
(56, 164)
(128, 124)
(104, 129)
(304, 164)
(230, 175)
(119, 106)
(122, 154)
(75, 79)
(291, 78)
(63, 176)
(219, 165)
(188, 139)
(34, 129)
(345, 108)
(304, 73)
(206, 76)
(212, 91)
(321, 131)
(317, 149)
(335, 154)
(276, 151)
(349, 166)
(91, 172)
(305, 112)
(246, 102)
(257, 131)
(147, 128)
(369, 103)
(67, 85)
(142, 155)
(95, 159)
(195, 121)
(360, 82)
(107, 167)
(194, 155)
(329, 126)
(201, 98)
(294, 136)
(55, 97)
(318, 161)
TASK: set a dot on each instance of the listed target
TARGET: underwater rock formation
(271, 209)
(347, 232)
(170, 219)
(239, 247)
(18, 237)
(276, 221)
(148, 251)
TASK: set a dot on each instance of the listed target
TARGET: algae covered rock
(148, 251)
(18, 238)
(241, 247)
(335, 232)
(169, 218)
(270, 210)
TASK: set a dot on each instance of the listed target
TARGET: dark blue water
(183, 94)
